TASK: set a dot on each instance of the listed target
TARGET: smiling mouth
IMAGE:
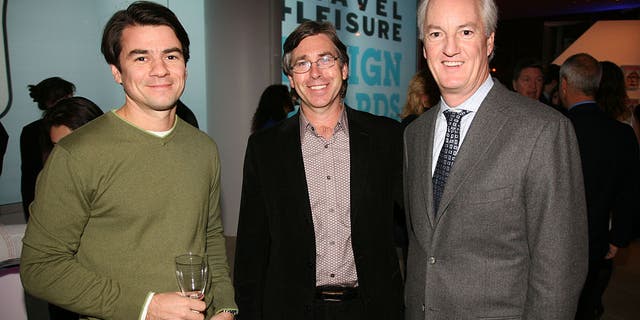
(452, 63)
(160, 86)
(319, 87)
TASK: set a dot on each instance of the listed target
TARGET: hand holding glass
(191, 272)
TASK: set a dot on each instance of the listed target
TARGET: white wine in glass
(191, 272)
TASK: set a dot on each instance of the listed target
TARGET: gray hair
(488, 13)
(582, 72)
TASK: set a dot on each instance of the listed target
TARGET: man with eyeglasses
(315, 236)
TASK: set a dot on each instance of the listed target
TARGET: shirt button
(326, 146)
(333, 275)
(432, 260)
(328, 177)
(423, 308)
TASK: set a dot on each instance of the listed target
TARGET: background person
(611, 96)
(610, 158)
(274, 105)
(34, 139)
(551, 75)
(69, 114)
(528, 78)
(184, 113)
(422, 94)
(4, 140)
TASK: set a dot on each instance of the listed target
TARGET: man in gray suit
(493, 184)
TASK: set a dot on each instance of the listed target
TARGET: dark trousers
(590, 305)
(338, 310)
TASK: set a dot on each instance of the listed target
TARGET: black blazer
(4, 140)
(609, 154)
(275, 274)
(35, 146)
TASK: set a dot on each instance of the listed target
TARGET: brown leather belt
(336, 293)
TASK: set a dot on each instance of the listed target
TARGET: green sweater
(114, 205)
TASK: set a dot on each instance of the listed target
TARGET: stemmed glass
(191, 272)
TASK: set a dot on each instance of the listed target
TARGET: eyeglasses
(303, 66)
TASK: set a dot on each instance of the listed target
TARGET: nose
(451, 47)
(314, 71)
(159, 68)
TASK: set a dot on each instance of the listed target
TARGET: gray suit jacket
(510, 240)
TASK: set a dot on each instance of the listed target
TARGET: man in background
(123, 195)
(551, 75)
(528, 78)
(609, 155)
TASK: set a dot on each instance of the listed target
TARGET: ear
(345, 71)
(116, 74)
(291, 83)
(490, 43)
(424, 52)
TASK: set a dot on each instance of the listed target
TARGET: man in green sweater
(123, 195)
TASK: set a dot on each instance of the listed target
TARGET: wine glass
(191, 272)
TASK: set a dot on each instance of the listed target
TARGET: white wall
(243, 47)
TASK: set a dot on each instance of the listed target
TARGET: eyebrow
(172, 50)
(462, 26)
(143, 51)
(305, 57)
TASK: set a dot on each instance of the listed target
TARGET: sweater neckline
(147, 133)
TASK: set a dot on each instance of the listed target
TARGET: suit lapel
(482, 132)
(426, 151)
(360, 156)
(293, 166)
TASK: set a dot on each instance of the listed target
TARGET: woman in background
(612, 95)
(422, 94)
(34, 139)
(69, 114)
(275, 103)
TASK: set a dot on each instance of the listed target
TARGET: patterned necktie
(447, 155)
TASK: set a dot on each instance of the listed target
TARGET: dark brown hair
(48, 91)
(71, 112)
(612, 95)
(312, 28)
(139, 13)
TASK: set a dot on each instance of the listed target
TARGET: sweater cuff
(147, 301)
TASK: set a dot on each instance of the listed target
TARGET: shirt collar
(581, 103)
(472, 103)
(305, 125)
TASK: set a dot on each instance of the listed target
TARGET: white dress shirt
(472, 104)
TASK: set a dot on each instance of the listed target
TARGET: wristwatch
(234, 312)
